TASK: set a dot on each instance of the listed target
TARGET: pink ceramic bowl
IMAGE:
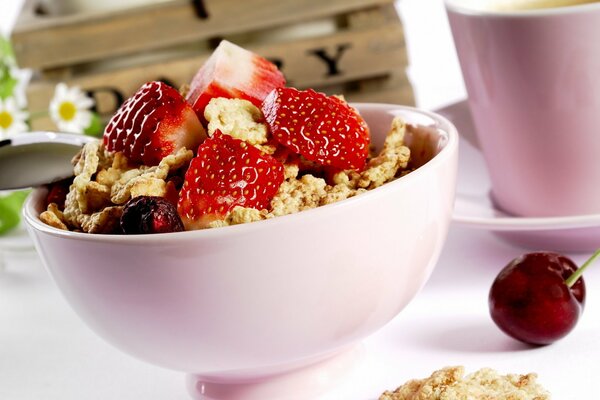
(235, 306)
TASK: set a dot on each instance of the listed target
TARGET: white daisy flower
(12, 118)
(70, 109)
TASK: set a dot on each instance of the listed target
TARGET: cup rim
(452, 6)
(31, 216)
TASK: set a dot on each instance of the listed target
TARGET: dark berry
(150, 214)
(57, 192)
(538, 297)
(177, 181)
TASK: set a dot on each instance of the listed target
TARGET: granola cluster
(450, 383)
(105, 181)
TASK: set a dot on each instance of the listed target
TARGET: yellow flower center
(67, 110)
(6, 119)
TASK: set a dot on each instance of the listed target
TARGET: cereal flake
(393, 157)
(54, 217)
(296, 195)
(149, 181)
(240, 215)
(238, 118)
(486, 384)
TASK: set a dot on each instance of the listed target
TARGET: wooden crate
(353, 47)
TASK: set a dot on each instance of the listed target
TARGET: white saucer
(474, 207)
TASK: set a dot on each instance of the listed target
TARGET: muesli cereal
(237, 117)
(104, 183)
(231, 152)
(450, 383)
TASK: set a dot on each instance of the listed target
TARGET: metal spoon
(36, 158)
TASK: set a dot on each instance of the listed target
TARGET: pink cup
(534, 92)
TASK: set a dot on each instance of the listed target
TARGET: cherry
(538, 297)
(150, 214)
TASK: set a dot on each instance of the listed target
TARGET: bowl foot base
(298, 384)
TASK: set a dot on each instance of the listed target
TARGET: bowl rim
(31, 217)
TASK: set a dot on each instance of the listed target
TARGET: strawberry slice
(153, 123)
(226, 173)
(323, 129)
(233, 72)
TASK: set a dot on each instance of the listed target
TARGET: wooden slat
(43, 123)
(393, 89)
(54, 41)
(401, 95)
(363, 53)
(373, 16)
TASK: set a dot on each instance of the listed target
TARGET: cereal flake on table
(450, 383)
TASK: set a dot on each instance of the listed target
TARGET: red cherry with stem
(538, 297)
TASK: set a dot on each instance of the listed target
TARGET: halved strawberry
(153, 123)
(323, 129)
(226, 173)
(233, 72)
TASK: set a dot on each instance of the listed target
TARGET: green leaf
(7, 87)
(15, 199)
(95, 129)
(7, 58)
(6, 51)
(7, 81)
(10, 210)
(9, 219)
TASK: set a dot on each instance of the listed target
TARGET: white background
(46, 353)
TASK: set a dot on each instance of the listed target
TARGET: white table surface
(47, 353)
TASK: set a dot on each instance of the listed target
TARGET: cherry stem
(577, 274)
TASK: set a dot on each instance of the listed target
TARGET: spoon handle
(36, 158)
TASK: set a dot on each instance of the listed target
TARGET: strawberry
(233, 72)
(323, 129)
(152, 124)
(226, 173)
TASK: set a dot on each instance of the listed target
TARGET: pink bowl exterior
(262, 297)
